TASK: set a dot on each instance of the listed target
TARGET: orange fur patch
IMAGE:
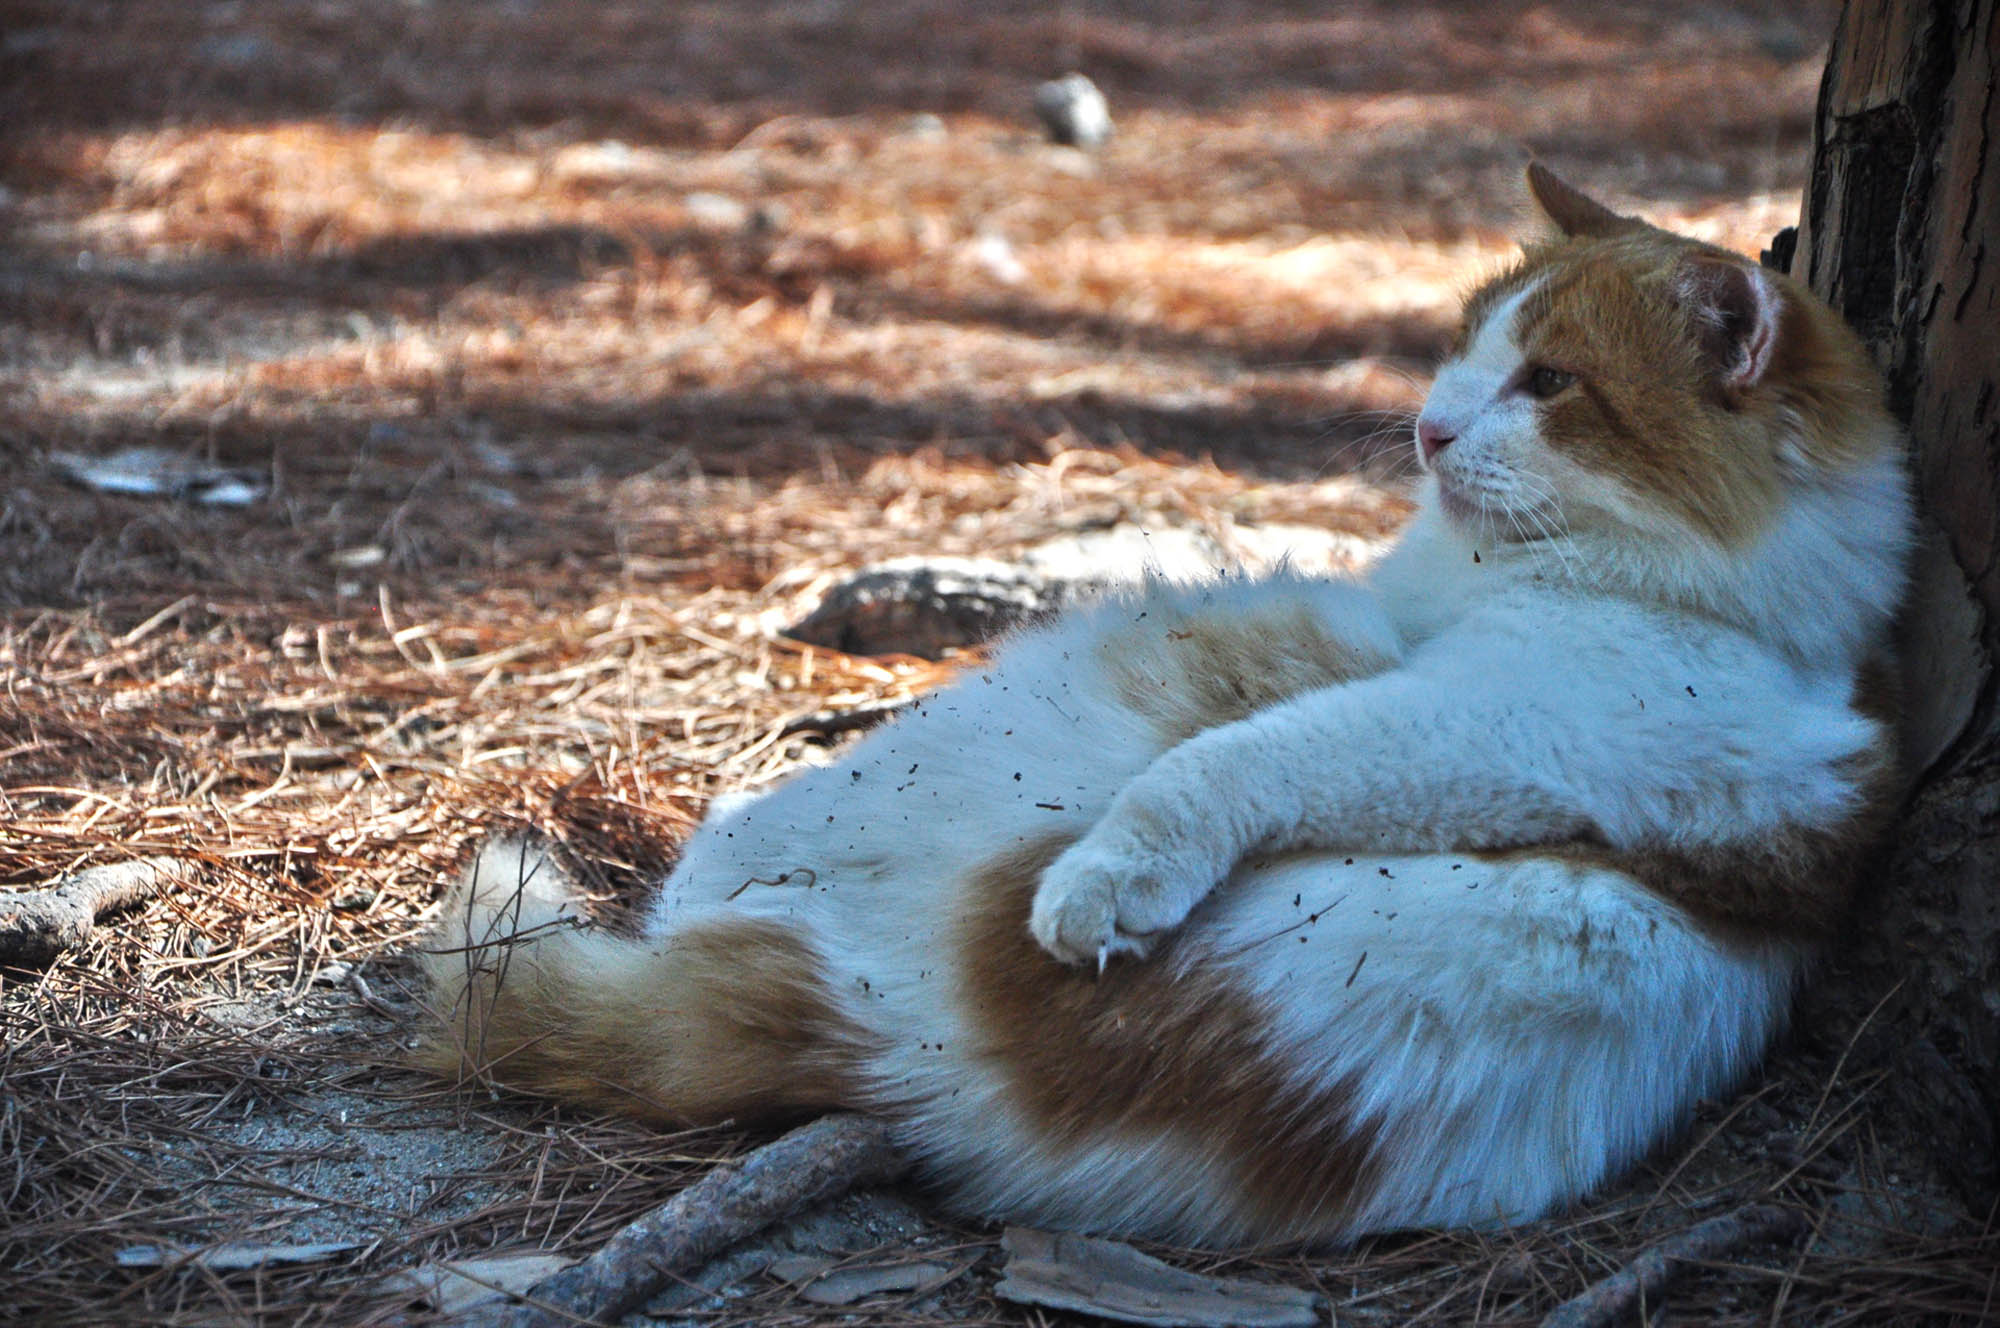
(1649, 407)
(729, 1021)
(1202, 669)
(1644, 410)
(1146, 1050)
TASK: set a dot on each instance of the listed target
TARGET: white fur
(1518, 1031)
(1509, 1034)
(1629, 683)
(1468, 400)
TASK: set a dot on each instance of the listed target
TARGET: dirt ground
(562, 356)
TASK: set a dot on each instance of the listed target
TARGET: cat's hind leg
(725, 1018)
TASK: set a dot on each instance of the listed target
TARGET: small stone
(456, 1287)
(998, 260)
(1073, 111)
(717, 210)
(925, 606)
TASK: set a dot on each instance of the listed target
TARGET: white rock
(1073, 111)
(996, 258)
(717, 210)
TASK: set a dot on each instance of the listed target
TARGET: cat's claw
(1096, 904)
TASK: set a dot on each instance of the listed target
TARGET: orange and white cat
(1296, 909)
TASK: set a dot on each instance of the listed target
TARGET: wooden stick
(38, 925)
(831, 722)
(1612, 1300)
(810, 1165)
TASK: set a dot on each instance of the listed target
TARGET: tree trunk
(1902, 211)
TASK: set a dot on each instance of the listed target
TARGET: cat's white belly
(1502, 1037)
(1512, 1030)
(1491, 1037)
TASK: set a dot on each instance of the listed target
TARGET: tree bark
(1901, 232)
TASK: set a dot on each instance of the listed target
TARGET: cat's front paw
(1099, 900)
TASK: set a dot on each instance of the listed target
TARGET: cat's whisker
(1541, 513)
(1413, 379)
(1522, 540)
(1395, 426)
(1530, 541)
(1546, 513)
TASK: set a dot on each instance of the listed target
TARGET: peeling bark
(1901, 232)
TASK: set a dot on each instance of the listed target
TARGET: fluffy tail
(728, 1019)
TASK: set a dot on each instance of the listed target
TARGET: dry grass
(558, 445)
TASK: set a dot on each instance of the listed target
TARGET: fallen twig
(232, 1256)
(38, 925)
(811, 1164)
(1612, 1300)
(831, 722)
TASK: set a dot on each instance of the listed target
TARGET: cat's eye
(1543, 382)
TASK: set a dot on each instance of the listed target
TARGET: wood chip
(457, 1286)
(824, 1282)
(38, 925)
(1115, 1281)
(234, 1257)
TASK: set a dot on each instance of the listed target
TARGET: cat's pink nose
(1433, 437)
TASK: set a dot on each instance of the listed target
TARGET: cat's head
(1620, 376)
(1664, 407)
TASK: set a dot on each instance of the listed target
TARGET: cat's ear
(1572, 211)
(1736, 309)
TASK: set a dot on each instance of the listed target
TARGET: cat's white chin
(1492, 517)
(1461, 505)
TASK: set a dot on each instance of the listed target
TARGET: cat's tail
(729, 1019)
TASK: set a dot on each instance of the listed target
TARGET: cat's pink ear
(1572, 211)
(1736, 309)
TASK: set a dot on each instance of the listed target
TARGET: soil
(553, 360)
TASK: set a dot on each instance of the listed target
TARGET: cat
(1293, 909)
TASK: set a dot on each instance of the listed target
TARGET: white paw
(1099, 900)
